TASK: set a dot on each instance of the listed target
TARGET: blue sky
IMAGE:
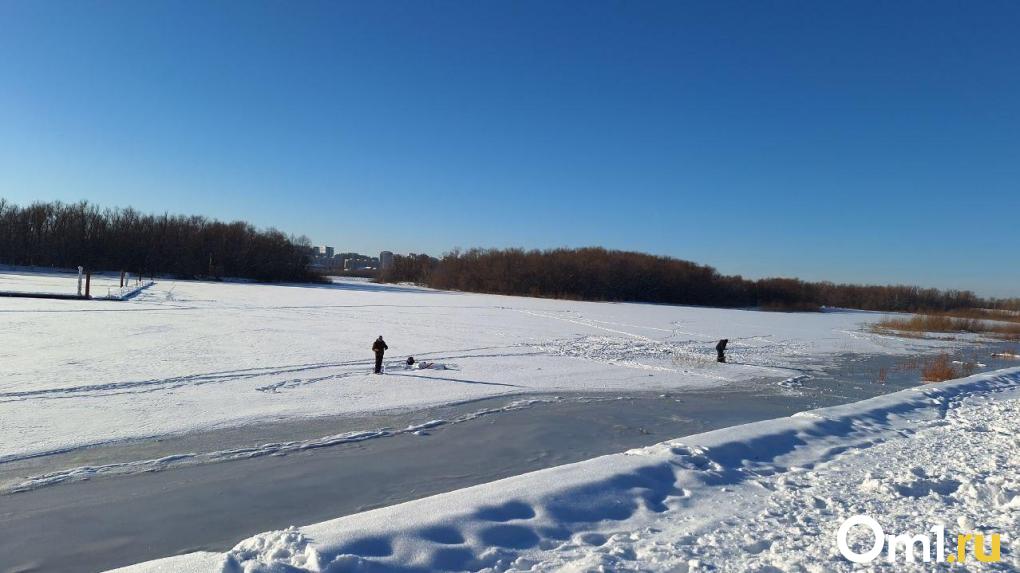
(856, 141)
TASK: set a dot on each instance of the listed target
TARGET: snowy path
(766, 496)
(192, 356)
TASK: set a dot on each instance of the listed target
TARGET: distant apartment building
(356, 262)
(325, 258)
(322, 258)
(385, 260)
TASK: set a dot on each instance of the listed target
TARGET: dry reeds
(984, 314)
(939, 369)
(924, 323)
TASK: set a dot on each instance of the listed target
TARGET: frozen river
(122, 519)
(197, 414)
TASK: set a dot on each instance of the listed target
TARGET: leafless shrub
(939, 369)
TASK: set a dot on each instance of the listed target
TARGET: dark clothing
(379, 347)
(720, 349)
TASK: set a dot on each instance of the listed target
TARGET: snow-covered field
(184, 356)
(768, 496)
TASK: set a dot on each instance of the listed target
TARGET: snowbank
(765, 496)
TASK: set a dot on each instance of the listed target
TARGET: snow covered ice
(767, 496)
(182, 357)
(185, 356)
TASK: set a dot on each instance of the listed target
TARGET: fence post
(121, 279)
(88, 283)
(80, 270)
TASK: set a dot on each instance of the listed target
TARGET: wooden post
(121, 279)
(88, 283)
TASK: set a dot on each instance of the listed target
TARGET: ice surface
(184, 356)
(766, 496)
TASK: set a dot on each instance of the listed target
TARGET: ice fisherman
(380, 348)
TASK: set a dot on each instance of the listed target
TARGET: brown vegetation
(924, 323)
(607, 275)
(985, 314)
(932, 368)
(939, 369)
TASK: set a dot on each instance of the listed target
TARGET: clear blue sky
(867, 141)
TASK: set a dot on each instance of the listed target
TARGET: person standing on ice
(721, 350)
(380, 348)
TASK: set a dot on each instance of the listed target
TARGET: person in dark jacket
(720, 349)
(380, 348)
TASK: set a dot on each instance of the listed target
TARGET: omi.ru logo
(908, 547)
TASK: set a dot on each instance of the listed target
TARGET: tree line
(607, 275)
(55, 234)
